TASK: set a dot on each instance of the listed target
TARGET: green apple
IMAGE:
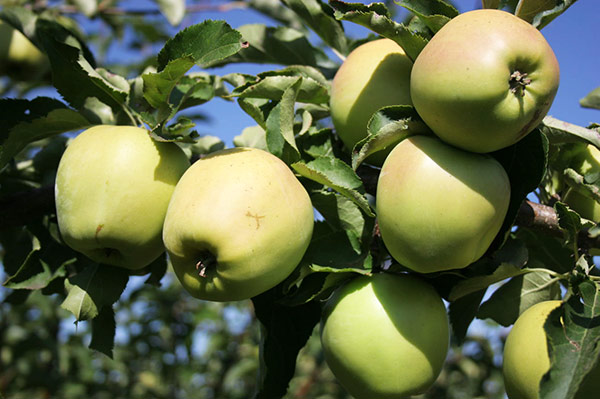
(439, 207)
(374, 75)
(526, 357)
(113, 187)
(385, 336)
(485, 80)
(18, 56)
(238, 224)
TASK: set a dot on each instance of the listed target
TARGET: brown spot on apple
(256, 217)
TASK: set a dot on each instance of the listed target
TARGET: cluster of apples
(483, 82)
(235, 223)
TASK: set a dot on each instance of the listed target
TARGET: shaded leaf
(280, 125)
(103, 331)
(377, 18)
(592, 99)
(434, 13)
(337, 175)
(462, 312)
(92, 288)
(284, 331)
(573, 335)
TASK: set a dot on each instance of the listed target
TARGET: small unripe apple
(385, 336)
(18, 56)
(485, 80)
(238, 224)
(113, 187)
(526, 357)
(374, 75)
(439, 207)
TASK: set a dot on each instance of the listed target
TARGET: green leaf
(173, 10)
(462, 312)
(207, 144)
(345, 215)
(377, 18)
(87, 7)
(42, 118)
(103, 331)
(280, 125)
(319, 17)
(271, 85)
(158, 86)
(386, 128)
(541, 12)
(546, 250)
(592, 100)
(525, 163)
(35, 273)
(573, 336)
(253, 137)
(317, 143)
(569, 222)
(204, 43)
(478, 283)
(284, 331)
(73, 75)
(517, 295)
(337, 175)
(92, 288)
(434, 13)
(318, 285)
(278, 45)
(559, 132)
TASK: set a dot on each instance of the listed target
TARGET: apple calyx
(207, 260)
(518, 81)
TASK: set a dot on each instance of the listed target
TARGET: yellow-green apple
(113, 187)
(385, 336)
(526, 357)
(485, 80)
(18, 56)
(439, 207)
(374, 75)
(238, 224)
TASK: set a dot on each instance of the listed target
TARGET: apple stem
(207, 260)
(518, 81)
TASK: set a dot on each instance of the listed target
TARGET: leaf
(517, 295)
(103, 331)
(541, 12)
(43, 118)
(573, 335)
(434, 13)
(204, 43)
(35, 273)
(337, 175)
(462, 312)
(92, 288)
(525, 164)
(207, 144)
(272, 86)
(558, 132)
(569, 222)
(319, 17)
(317, 143)
(592, 99)
(284, 331)
(87, 7)
(158, 86)
(173, 10)
(253, 137)
(318, 285)
(546, 250)
(279, 45)
(345, 215)
(377, 18)
(73, 75)
(386, 128)
(280, 125)
(478, 283)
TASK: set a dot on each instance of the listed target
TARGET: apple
(374, 75)
(485, 80)
(439, 207)
(113, 187)
(238, 224)
(385, 336)
(526, 357)
(18, 56)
